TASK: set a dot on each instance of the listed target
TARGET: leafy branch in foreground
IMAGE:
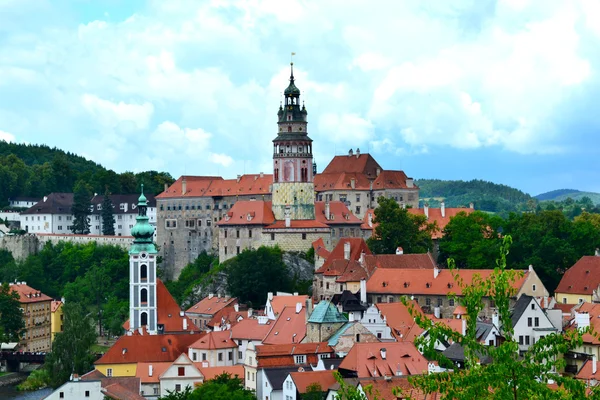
(511, 375)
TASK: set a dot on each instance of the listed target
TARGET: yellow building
(581, 282)
(56, 317)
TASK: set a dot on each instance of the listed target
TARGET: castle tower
(142, 272)
(293, 193)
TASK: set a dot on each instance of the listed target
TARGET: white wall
(212, 356)
(374, 322)
(521, 328)
(289, 389)
(76, 391)
(148, 390)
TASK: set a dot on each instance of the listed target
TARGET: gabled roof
(246, 212)
(303, 380)
(280, 302)
(357, 247)
(27, 294)
(55, 203)
(291, 349)
(250, 329)
(227, 315)
(55, 305)
(277, 376)
(593, 309)
(215, 340)
(212, 372)
(585, 373)
(398, 318)
(435, 215)
(355, 163)
(349, 301)
(339, 214)
(422, 281)
(202, 186)
(131, 201)
(135, 348)
(290, 327)
(399, 261)
(366, 360)
(456, 352)
(211, 304)
(168, 312)
(325, 312)
(520, 306)
(582, 278)
(122, 388)
(320, 249)
(392, 180)
(384, 388)
(158, 368)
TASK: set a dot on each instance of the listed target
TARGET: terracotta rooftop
(55, 305)
(303, 380)
(201, 186)
(212, 372)
(320, 249)
(211, 304)
(593, 309)
(121, 390)
(398, 318)
(435, 215)
(290, 327)
(338, 214)
(27, 294)
(291, 349)
(215, 340)
(357, 247)
(366, 359)
(158, 368)
(297, 224)
(422, 281)
(226, 315)
(245, 212)
(399, 261)
(582, 278)
(279, 302)
(135, 348)
(383, 388)
(168, 312)
(250, 329)
(585, 373)
(356, 163)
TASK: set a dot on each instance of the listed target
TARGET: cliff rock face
(298, 266)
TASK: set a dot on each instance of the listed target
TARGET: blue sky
(504, 90)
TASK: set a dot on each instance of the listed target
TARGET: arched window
(144, 272)
(289, 128)
(144, 296)
(144, 319)
(277, 175)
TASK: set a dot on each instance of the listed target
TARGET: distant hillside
(36, 170)
(563, 194)
(487, 196)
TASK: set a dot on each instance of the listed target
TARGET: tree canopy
(12, 323)
(81, 208)
(396, 227)
(222, 387)
(108, 215)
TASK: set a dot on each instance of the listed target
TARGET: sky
(506, 91)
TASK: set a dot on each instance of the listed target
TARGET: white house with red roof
(216, 348)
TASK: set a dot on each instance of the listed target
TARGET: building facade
(37, 313)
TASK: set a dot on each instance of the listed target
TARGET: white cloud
(222, 159)
(7, 137)
(346, 128)
(111, 114)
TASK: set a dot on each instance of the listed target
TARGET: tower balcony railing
(281, 155)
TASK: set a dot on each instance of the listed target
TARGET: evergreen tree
(81, 208)
(108, 216)
(11, 317)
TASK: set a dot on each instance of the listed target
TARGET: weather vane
(292, 57)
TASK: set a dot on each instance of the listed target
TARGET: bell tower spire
(293, 190)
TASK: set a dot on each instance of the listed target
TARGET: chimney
(262, 175)
(308, 308)
(471, 205)
(383, 353)
(239, 177)
(236, 307)
(45, 198)
(361, 260)
(399, 251)
(166, 187)
(594, 366)
(378, 171)
(363, 291)
(370, 219)
(464, 326)
(298, 308)
(436, 312)
(295, 293)
(183, 185)
(250, 312)
(150, 370)
(353, 183)
(210, 296)
(346, 250)
(582, 320)
(597, 252)
(410, 183)
(426, 210)
(350, 153)
(288, 221)
(443, 209)
(495, 320)
(185, 324)
(327, 215)
(436, 272)
(357, 152)
(270, 296)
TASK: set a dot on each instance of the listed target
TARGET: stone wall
(294, 239)
(298, 196)
(21, 246)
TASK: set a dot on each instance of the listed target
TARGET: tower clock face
(143, 256)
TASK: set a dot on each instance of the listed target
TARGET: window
(491, 342)
(378, 335)
(357, 210)
(533, 287)
(327, 285)
(564, 300)
(144, 272)
(225, 233)
(225, 249)
(194, 356)
(536, 321)
(109, 372)
(532, 306)
(427, 301)
(451, 302)
(156, 391)
(527, 340)
(529, 321)
(61, 395)
(300, 359)
(304, 236)
(87, 393)
(220, 356)
(237, 233)
(181, 371)
(249, 233)
(237, 250)
(178, 387)
(144, 296)
(239, 355)
(440, 302)
(230, 356)
(204, 354)
(520, 339)
(580, 301)
(272, 236)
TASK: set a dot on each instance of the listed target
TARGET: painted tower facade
(142, 272)
(293, 193)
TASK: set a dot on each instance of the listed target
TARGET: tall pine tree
(81, 208)
(108, 216)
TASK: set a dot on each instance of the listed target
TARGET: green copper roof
(334, 339)
(142, 232)
(326, 312)
(142, 198)
(292, 89)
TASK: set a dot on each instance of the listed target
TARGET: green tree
(396, 227)
(72, 348)
(254, 273)
(471, 240)
(314, 391)
(81, 208)
(223, 387)
(108, 216)
(348, 391)
(12, 324)
(191, 275)
(115, 313)
(511, 375)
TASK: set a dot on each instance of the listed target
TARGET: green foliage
(35, 171)
(398, 228)
(191, 276)
(108, 216)
(510, 376)
(82, 194)
(72, 348)
(182, 395)
(8, 266)
(223, 387)
(351, 392)
(254, 273)
(38, 379)
(314, 391)
(12, 323)
(572, 208)
(471, 240)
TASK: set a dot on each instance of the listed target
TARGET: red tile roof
(585, 373)
(298, 224)
(168, 312)
(136, 348)
(27, 294)
(303, 380)
(55, 305)
(290, 327)
(200, 186)
(399, 261)
(119, 391)
(338, 214)
(422, 281)
(366, 359)
(357, 247)
(280, 302)
(382, 388)
(320, 249)
(391, 180)
(593, 309)
(582, 278)
(341, 181)
(356, 163)
(214, 341)
(250, 329)
(398, 318)
(367, 221)
(158, 368)
(211, 305)
(246, 212)
(212, 372)
(435, 215)
(226, 315)
(291, 349)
